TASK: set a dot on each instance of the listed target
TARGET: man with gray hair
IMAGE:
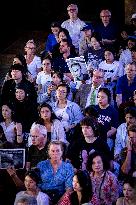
(74, 25)
(126, 84)
(38, 150)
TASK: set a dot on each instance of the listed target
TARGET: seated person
(129, 192)
(126, 84)
(56, 175)
(38, 149)
(43, 78)
(111, 68)
(79, 151)
(122, 134)
(128, 156)
(31, 182)
(68, 112)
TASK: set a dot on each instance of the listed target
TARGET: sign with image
(12, 158)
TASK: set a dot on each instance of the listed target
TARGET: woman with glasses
(67, 111)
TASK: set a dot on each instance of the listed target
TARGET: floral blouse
(105, 187)
(66, 199)
(61, 180)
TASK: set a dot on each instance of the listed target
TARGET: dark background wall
(38, 14)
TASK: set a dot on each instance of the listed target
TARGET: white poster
(77, 67)
(12, 157)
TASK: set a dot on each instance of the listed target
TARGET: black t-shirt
(35, 155)
(79, 151)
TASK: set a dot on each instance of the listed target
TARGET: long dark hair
(85, 183)
(53, 116)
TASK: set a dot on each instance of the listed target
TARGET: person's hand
(19, 132)
(129, 145)
(50, 89)
(11, 171)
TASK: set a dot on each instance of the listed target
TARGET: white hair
(40, 128)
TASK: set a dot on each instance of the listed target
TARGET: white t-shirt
(63, 116)
(9, 131)
(34, 66)
(111, 70)
(74, 28)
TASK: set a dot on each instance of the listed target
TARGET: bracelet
(19, 135)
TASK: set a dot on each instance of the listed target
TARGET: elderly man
(87, 93)
(73, 25)
(38, 150)
(106, 29)
(126, 84)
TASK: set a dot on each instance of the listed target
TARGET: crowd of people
(79, 141)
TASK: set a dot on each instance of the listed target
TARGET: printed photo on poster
(12, 157)
(77, 67)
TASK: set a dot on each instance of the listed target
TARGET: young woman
(67, 111)
(7, 123)
(105, 184)
(82, 190)
(31, 184)
(129, 191)
(55, 130)
(107, 115)
(43, 77)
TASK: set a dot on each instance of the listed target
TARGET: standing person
(129, 192)
(104, 183)
(73, 25)
(106, 29)
(31, 182)
(56, 175)
(82, 190)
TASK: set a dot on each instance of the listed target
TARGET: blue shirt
(51, 41)
(123, 88)
(61, 180)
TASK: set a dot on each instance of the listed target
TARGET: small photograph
(12, 158)
(77, 67)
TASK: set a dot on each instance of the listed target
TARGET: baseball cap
(133, 16)
(87, 27)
